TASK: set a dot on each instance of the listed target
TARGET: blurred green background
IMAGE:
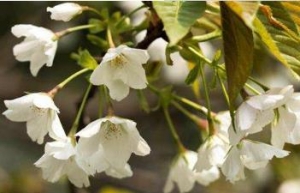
(18, 152)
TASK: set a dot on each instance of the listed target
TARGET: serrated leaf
(279, 33)
(238, 51)
(178, 16)
(86, 60)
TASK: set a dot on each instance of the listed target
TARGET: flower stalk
(59, 34)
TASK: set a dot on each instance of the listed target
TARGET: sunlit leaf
(279, 33)
(178, 16)
(238, 51)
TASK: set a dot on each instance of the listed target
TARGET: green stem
(191, 104)
(252, 89)
(129, 14)
(79, 113)
(175, 136)
(87, 8)
(190, 115)
(211, 128)
(206, 37)
(223, 90)
(53, 92)
(72, 29)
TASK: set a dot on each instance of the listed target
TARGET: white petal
(44, 101)
(56, 130)
(65, 11)
(91, 129)
(76, 175)
(25, 50)
(61, 150)
(169, 185)
(132, 74)
(233, 168)
(50, 53)
(37, 128)
(21, 102)
(118, 90)
(256, 155)
(208, 176)
(142, 148)
(37, 61)
(119, 172)
(246, 116)
(22, 30)
(263, 102)
(102, 74)
(138, 56)
(93, 163)
(116, 144)
(52, 168)
(236, 136)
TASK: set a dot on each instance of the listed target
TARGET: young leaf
(85, 59)
(279, 33)
(178, 16)
(100, 25)
(238, 51)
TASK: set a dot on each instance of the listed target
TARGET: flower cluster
(104, 145)
(230, 150)
(107, 143)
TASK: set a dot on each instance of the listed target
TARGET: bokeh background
(18, 152)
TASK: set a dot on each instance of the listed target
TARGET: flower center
(38, 111)
(112, 131)
(119, 61)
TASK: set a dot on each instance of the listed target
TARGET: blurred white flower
(39, 46)
(40, 113)
(250, 154)
(108, 144)
(59, 160)
(213, 151)
(258, 111)
(120, 69)
(182, 173)
(65, 11)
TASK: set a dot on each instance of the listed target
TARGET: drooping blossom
(65, 11)
(60, 159)
(108, 143)
(39, 46)
(250, 154)
(40, 114)
(120, 69)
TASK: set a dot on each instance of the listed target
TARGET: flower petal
(36, 128)
(118, 90)
(22, 30)
(119, 172)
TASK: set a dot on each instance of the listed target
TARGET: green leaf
(238, 51)
(193, 74)
(100, 25)
(278, 31)
(293, 8)
(85, 60)
(100, 42)
(178, 16)
(246, 10)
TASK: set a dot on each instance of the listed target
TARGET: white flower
(252, 155)
(38, 47)
(59, 160)
(109, 143)
(212, 152)
(287, 127)
(65, 11)
(258, 111)
(205, 177)
(120, 69)
(182, 173)
(40, 113)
